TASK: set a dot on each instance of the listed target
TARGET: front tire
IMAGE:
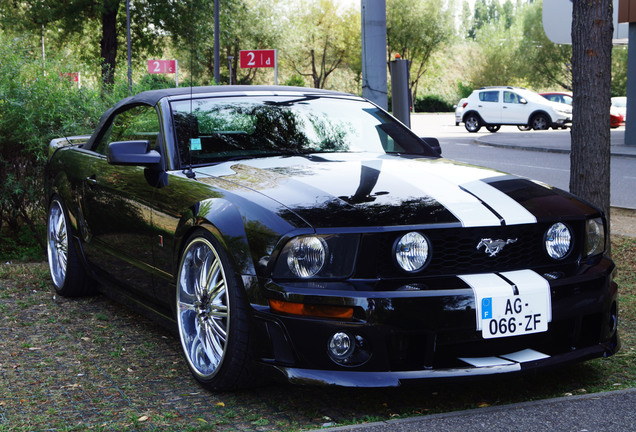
(67, 271)
(212, 316)
(472, 123)
(540, 122)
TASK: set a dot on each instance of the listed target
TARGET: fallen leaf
(220, 404)
(143, 418)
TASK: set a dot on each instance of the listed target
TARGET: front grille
(454, 251)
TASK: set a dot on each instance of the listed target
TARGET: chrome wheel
(57, 244)
(203, 308)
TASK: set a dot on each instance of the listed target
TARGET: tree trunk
(592, 29)
(108, 44)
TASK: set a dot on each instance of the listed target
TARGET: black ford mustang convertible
(309, 233)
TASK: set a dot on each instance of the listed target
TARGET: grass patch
(91, 364)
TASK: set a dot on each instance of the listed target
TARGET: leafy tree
(496, 61)
(321, 39)
(417, 34)
(546, 64)
(508, 13)
(466, 20)
(70, 25)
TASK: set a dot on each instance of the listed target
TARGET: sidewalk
(533, 140)
(598, 412)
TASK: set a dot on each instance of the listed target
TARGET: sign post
(260, 59)
(165, 67)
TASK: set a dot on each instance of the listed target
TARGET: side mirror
(132, 153)
(523, 101)
(433, 143)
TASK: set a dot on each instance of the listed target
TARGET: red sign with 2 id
(257, 58)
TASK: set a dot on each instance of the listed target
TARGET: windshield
(211, 130)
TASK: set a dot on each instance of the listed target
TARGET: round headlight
(558, 240)
(412, 251)
(306, 256)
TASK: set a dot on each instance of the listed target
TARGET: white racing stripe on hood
(441, 180)
(510, 210)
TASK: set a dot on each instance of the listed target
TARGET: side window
(510, 97)
(137, 123)
(489, 96)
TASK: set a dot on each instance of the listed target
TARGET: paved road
(599, 412)
(541, 155)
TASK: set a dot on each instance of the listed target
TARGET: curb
(480, 141)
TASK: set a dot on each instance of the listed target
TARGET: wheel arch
(246, 234)
(221, 219)
(540, 111)
(466, 114)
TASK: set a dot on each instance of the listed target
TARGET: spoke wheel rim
(540, 123)
(203, 312)
(57, 244)
(471, 123)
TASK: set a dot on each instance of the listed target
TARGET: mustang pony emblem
(493, 247)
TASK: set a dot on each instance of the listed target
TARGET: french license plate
(514, 315)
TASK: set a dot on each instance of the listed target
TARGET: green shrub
(432, 103)
(36, 105)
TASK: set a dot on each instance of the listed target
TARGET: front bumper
(414, 334)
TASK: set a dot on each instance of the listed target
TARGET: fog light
(341, 346)
(558, 241)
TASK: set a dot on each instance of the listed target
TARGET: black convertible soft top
(151, 97)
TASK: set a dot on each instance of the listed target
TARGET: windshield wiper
(290, 102)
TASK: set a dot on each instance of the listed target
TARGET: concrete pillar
(374, 55)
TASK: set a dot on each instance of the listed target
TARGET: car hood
(349, 190)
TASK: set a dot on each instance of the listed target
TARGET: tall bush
(37, 103)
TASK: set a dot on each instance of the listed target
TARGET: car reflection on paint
(308, 234)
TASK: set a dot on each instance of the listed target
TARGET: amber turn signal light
(324, 311)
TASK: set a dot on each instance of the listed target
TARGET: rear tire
(472, 123)
(67, 271)
(212, 316)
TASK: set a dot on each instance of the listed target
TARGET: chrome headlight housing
(558, 241)
(594, 237)
(317, 257)
(412, 251)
